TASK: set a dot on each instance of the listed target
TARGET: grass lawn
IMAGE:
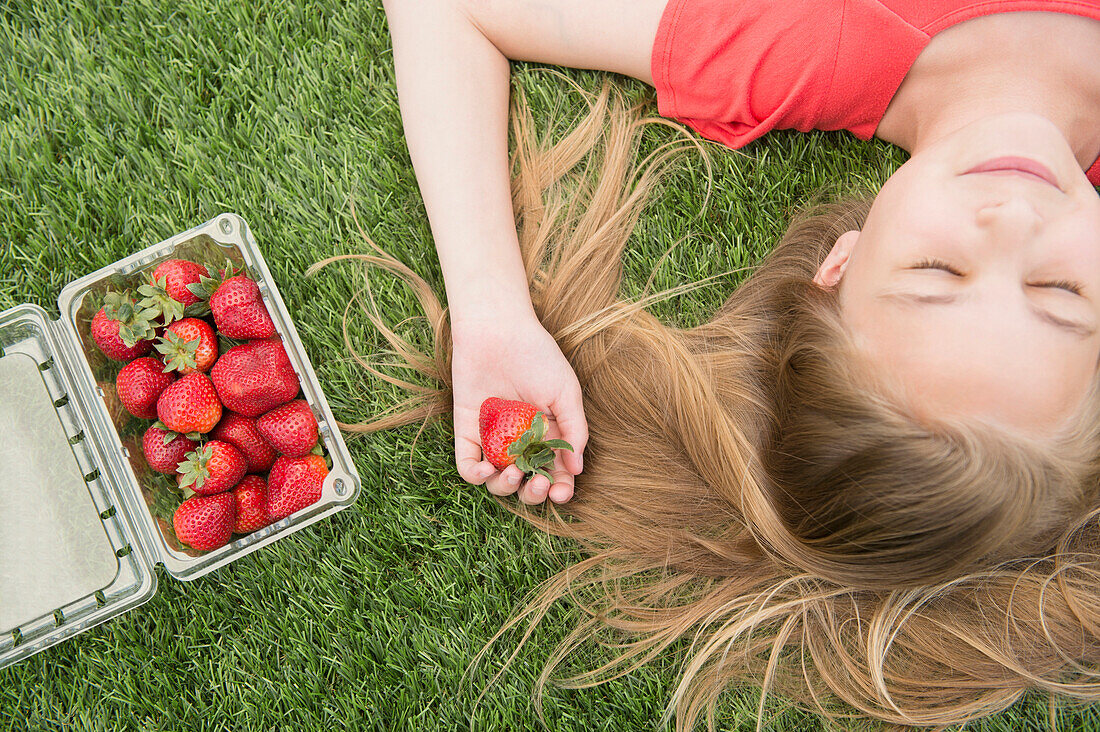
(122, 126)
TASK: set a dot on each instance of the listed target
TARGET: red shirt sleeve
(734, 70)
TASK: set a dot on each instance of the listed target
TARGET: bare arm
(451, 59)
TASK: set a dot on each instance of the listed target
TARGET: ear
(830, 271)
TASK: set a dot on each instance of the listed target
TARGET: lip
(1020, 166)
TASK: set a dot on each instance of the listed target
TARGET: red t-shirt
(733, 71)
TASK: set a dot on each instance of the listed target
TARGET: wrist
(474, 314)
(486, 297)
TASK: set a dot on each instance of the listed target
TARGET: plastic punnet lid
(52, 543)
(68, 559)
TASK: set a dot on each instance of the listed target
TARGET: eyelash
(1073, 287)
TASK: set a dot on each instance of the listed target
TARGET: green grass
(122, 126)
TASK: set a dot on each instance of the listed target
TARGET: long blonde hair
(750, 488)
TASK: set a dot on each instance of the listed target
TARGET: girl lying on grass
(870, 480)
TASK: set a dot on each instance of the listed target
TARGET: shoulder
(734, 70)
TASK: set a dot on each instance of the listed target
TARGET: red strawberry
(206, 522)
(251, 495)
(190, 405)
(213, 468)
(176, 275)
(121, 329)
(165, 450)
(239, 311)
(140, 384)
(294, 483)
(189, 345)
(240, 432)
(512, 432)
(255, 377)
(290, 429)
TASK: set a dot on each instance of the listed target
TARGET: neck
(958, 82)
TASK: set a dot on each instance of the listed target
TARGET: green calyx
(194, 468)
(179, 354)
(170, 435)
(532, 453)
(158, 302)
(134, 322)
(205, 288)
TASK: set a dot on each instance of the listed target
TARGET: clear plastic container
(81, 533)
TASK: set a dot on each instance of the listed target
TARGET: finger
(561, 488)
(506, 482)
(468, 459)
(568, 410)
(534, 490)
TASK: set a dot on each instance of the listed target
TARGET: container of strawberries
(170, 416)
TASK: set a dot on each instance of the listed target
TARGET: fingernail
(513, 480)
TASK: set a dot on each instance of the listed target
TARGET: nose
(1012, 216)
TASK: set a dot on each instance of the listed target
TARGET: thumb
(468, 456)
(569, 414)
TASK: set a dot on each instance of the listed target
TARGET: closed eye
(937, 264)
(1061, 284)
(1067, 285)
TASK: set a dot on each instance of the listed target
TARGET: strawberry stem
(532, 452)
(180, 354)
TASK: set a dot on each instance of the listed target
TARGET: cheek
(912, 211)
(1079, 243)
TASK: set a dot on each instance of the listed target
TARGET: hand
(513, 357)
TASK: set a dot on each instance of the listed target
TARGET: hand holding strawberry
(514, 358)
(512, 433)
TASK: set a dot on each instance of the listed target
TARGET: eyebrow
(909, 298)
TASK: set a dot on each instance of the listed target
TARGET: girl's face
(975, 281)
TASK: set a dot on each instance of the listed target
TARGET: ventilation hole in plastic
(340, 486)
(58, 617)
(100, 599)
(91, 476)
(108, 513)
(17, 636)
(47, 364)
(123, 551)
(226, 226)
(78, 437)
(62, 401)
